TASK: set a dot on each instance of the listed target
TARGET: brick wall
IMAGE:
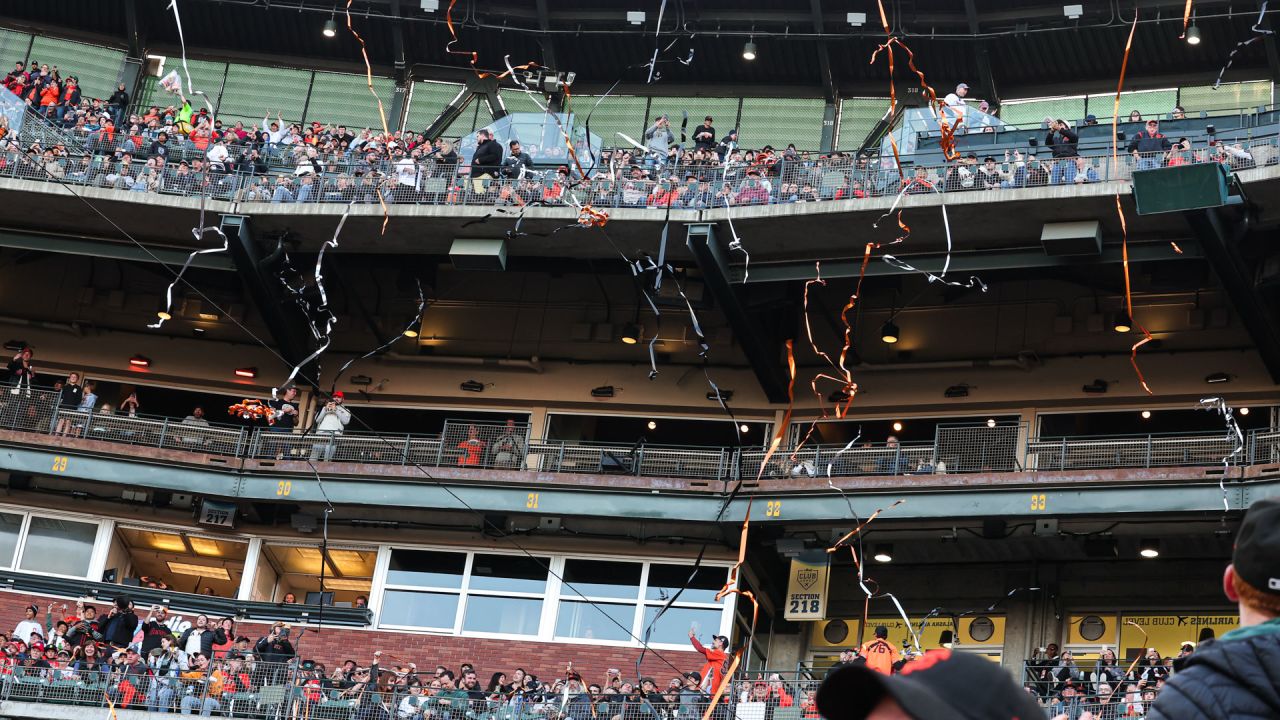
(333, 645)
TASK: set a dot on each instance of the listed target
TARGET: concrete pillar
(787, 650)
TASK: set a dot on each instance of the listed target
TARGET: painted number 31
(1038, 502)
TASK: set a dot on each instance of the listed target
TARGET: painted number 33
(1038, 502)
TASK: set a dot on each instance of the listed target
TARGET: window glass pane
(57, 546)
(426, 569)
(597, 578)
(666, 580)
(509, 573)
(513, 616)
(673, 627)
(419, 609)
(592, 622)
(10, 526)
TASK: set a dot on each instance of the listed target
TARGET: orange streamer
(841, 542)
(1186, 19)
(786, 418)
(382, 113)
(724, 684)
(472, 56)
(1124, 230)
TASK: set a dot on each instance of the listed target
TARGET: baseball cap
(1257, 553)
(694, 676)
(1090, 118)
(962, 85)
(941, 684)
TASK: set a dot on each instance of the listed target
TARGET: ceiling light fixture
(201, 571)
(897, 426)
(1193, 34)
(1149, 548)
(347, 584)
(411, 333)
(1122, 324)
(652, 425)
(749, 49)
(1244, 411)
(1146, 414)
(883, 553)
(164, 315)
(630, 334)
(889, 332)
(747, 428)
(1218, 377)
(247, 372)
(140, 361)
(991, 422)
(330, 28)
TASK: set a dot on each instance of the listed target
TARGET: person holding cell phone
(713, 671)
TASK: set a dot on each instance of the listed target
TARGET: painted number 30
(284, 487)
(1038, 502)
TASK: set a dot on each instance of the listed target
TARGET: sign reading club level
(807, 586)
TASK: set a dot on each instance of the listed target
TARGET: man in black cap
(1237, 676)
(939, 685)
(878, 653)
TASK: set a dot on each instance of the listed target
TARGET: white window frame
(553, 595)
(96, 553)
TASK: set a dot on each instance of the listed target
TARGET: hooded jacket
(1235, 678)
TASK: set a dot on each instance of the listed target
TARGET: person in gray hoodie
(657, 139)
(330, 422)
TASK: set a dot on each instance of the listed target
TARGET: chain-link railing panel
(96, 67)
(858, 116)
(1227, 96)
(979, 448)
(427, 100)
(344, 99)
(206, 77)
(487, 445)
(781, 121)
(1030, 114)
(254, 91)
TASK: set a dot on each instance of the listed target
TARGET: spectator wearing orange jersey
(880, 653)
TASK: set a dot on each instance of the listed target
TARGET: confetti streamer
(1186, 18)
(422, 306)
(1132, 665)
(182, 44)
(1235, 436)
(1124, 230)
(1258, 33)
(323, 335)
(199, 234)
(653, 63)
(382, 112)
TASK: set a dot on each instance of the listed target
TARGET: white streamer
(1234, 435)
(182, 43)
(199, 234)
(322, 336)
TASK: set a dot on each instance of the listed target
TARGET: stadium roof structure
(805, 47)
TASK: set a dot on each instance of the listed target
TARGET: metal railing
(955, 449)
(273, 178)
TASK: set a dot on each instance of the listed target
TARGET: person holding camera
(155, 629)
(116, 626)
(658, 138)
(200, 638)
(330, 422)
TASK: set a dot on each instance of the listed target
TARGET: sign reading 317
(807, 586)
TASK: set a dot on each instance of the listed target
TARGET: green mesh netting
(344, 99)
(1228, 96)
(252, 91)
(857, 117)
(96, 67)
(779, 121)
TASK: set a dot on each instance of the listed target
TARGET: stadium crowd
(183, 149)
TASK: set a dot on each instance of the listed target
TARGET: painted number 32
(773, 509)
(1038, 502)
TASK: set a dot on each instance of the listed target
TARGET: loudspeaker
(1182, 187)
(479, 254)
(1072, 238)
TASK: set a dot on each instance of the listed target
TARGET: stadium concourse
(523, 361)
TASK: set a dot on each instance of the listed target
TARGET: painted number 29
(59, 463)
(1038, 502)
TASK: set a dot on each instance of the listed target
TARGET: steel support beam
(281, 315)
(828, 80)
(1223, 240)
(101, 247)
(961, 264)
(546, 40)
(715, 271)
(402, 63)
(986, 79)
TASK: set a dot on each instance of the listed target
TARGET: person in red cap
(713, 671)
(1238, 675)
(331, 420)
